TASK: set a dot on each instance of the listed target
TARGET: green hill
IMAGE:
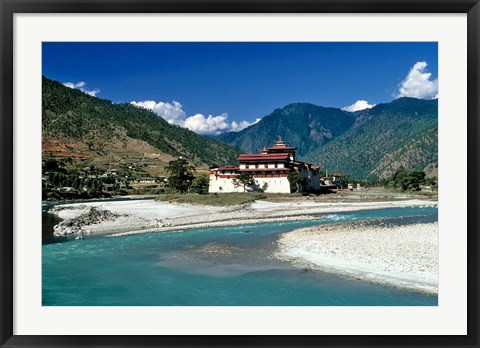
(82, 127)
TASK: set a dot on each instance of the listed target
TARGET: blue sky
(213, 87)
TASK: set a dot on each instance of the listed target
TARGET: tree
(264, 187)
(181, 175)
(298, 181)
(244, 180)
(200, 184)
(77, 183)
(431, 181)
(413, 180)
(345, 180)
(52, 165)
(407, 180)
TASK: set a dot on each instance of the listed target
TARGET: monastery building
(272, 166)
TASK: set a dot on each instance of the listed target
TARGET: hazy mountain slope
(77, 125)
(305, 126)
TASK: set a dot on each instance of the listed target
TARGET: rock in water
(74, 225)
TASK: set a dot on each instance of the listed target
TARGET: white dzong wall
(220, 183)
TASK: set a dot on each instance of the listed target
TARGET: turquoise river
(224, 266)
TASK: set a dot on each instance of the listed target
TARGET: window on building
(266, 165)
(276, 165)
(256, 165)
(247, 166)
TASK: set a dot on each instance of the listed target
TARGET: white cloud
(173, 113)
(69, 85)
(79, 85)
(207, 125)
(418, 83)
(236, 127)
(93, 92)
(358, 105)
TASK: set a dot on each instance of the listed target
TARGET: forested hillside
(86, 128)
(401, 133)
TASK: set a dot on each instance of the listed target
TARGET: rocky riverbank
(403, 256)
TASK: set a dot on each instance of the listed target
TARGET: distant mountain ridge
(303, 125)
(370, 143)
(81, 127)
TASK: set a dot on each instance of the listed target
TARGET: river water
(223, 266)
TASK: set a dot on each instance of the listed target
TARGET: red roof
(264, 169)
(336, 174)
(264, 157)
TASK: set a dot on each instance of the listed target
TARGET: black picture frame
(9, 7)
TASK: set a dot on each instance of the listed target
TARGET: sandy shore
(403, 256)
(146, 216)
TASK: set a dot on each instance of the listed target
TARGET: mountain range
(366, 144)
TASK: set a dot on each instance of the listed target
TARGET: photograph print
(240, 174)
